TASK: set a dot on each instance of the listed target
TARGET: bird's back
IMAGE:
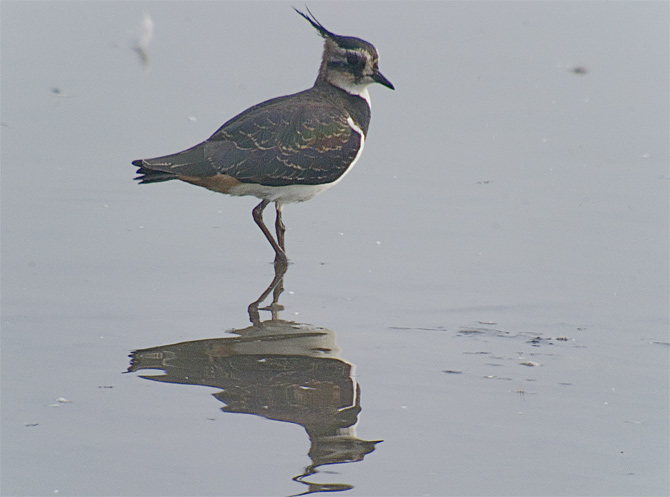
(308, 138)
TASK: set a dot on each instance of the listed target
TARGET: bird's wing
(285, 141)
(293, 142)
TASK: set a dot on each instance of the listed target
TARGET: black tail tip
(141, 172)
(146, 175)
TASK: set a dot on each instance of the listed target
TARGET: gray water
(486, 292)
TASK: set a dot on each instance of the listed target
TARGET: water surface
(486, 292)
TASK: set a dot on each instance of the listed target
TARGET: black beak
(381, 79)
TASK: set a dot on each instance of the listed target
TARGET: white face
(351, 69)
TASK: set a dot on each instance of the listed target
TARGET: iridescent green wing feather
(301, 142)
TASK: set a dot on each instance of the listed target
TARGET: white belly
(282, 194)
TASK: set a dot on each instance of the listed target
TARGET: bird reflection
(279, 370)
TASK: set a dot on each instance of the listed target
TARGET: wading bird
(290, 148)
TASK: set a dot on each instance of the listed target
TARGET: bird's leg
(275, 307)
(280, 227)
(258, 217)
(280, 270)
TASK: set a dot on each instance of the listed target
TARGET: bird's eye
(355, 60)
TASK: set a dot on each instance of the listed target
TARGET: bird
(290, 148)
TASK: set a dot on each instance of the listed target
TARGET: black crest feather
(314, 22)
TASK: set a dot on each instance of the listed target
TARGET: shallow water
(486, 292)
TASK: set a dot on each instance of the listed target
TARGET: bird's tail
(146, 175)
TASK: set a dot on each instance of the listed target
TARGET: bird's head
(349, 63)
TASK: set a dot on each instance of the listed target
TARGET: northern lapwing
(290, 148)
